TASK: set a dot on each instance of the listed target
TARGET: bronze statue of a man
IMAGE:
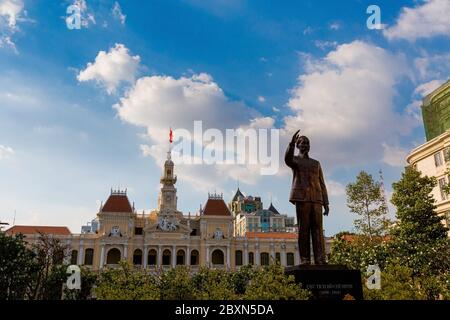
(309, 195)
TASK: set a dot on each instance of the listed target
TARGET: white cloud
(335, 26)
(6, 152)
(394, 156)
(335, 188)
(117, 13)
(10, 10)
(429, 19)
(112, 68)
(275, 109)
(432, 67)
(261, 99)
(10, 14)
(344, 103)
(323, 45)
(87, 16)
(428, 87)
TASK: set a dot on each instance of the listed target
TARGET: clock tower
(167, 200)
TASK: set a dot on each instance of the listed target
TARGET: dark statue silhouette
(309, 195)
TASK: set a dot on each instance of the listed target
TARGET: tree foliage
(365, 198)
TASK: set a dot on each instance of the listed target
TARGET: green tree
(176, 284)
(420, 239)
(364, 197)
(271, 283)
(17, 267)
(126, 283)
(214, 284)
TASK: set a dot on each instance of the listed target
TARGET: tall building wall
(436, 111)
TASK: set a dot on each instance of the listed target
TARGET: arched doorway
(152, 257)
(137, 257)
(218, 257)
(113, 256)
(180, 257)
(194, 257)
(166, 257)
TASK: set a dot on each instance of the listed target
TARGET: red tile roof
(117, 203)
(38, 229)
(216, 207)
(271, 235)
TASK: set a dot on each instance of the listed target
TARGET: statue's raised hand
(295, 136)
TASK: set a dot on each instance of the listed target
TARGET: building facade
(433, 157)
(249, 216)
(165, 237)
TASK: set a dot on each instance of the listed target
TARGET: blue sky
(75, 122)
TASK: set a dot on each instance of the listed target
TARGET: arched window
(74, 257)
(166, 257)
(152, 257)
(264, 259)
(278, 257)
(180, 257)
(137, 257)
(290, 259)
(194, 257)
(113, 256)
(238, 256)
(217, 257)
(251, 258)
(89, 257)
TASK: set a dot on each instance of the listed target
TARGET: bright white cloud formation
(117, 13)
(431, 18)
(10, 10)
(111, 68)
(6, 152)
(428, 87)
(344, 103)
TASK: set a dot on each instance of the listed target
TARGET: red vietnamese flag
(171, 136)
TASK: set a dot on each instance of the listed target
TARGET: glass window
(238, 257)
(441, 188)
(264, 259)
(251, 258)
(88, 257)
(137, 257)
(290, 259)
(166, 257)
(152, 254)
(438, 159)
(447, 154)
(194, 257)
(180, 257)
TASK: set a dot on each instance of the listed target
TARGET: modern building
(165, 237)
(436, 111)
(433, 157)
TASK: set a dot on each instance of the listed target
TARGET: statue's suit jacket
(308, 184)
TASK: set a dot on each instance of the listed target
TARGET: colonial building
(165, 237)
(249, 216)
(433, 157)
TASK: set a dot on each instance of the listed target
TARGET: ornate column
(159, 262)
(297, 256)
(207, 255)
(145, 253)
(257, 255)
(102, 255)
(283, 255)
(80, 254)
(188, 255)
(245, 253)
(272, 250)
(228, 262)
(174, 256)
(125, 251)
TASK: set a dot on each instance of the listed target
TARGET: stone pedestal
(328, 282)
